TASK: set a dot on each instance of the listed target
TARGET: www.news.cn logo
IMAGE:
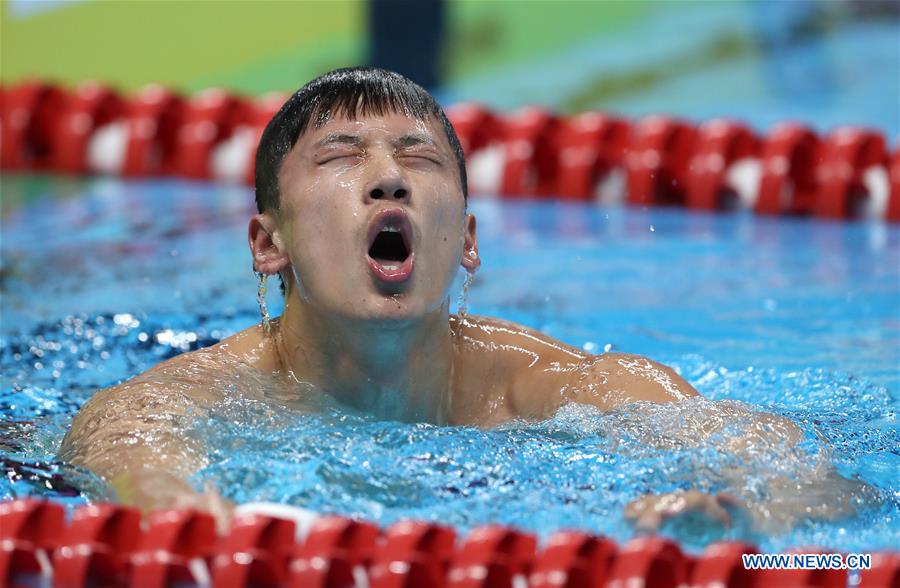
(807, 561)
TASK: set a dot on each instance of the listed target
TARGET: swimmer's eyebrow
(339, 139)
(414, 139)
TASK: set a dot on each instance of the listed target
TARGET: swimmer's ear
(269, 253)
(470, 259)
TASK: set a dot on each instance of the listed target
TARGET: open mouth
(390, 254)
(389, 247)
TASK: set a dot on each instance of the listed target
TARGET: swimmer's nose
(388, 183)
(397, 193)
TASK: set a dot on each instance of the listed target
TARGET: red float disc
(529, 153)
(30, 117)
(884, 573)
(476, 127)
(262, 112)
(722, 565)
(90, 107)
(718, 145)
(38, 522)
(207, 119)
(657, 160)
(893, 209)
(414, 553)
(573, 558)
(820, 578)
(115, 526)
(154, 119)
(492, 556)
(790, 156)
(186, 533)
(846, 155)
(588, 146)
(650, 561)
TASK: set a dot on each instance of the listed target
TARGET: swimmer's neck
(392, 370)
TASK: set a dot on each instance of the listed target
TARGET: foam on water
(578, 469)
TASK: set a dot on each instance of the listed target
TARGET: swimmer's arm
(825, 495)
(614, 379)
(129, 435)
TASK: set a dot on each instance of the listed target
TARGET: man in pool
(361, 191)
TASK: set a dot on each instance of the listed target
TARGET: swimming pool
(801, 317)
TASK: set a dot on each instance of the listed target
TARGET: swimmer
(361, 193)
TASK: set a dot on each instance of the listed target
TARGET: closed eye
(421, 155)
(422, 158)
(330, 157)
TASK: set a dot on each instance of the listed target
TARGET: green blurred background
(256, 46)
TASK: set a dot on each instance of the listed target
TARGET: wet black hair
(351, 91)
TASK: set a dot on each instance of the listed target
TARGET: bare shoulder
(536, 374)
(202, 374)
(154, 405)
(518, 343)
(635, 377)
(498, 362)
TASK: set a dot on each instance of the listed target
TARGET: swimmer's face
(372, 217)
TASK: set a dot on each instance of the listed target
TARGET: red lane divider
(334, 548)
(172, 547)
(96, 546)
(182, 532)
(112, 525)
(884, 573)
(90, 108)
(659, 153)
(264, 109)
(527, 140)
(650, 561)
(823, 578)
(354, 540)
(209, 118)
(29, 114)
(529, 153)
(589, 147)
(413, 553)
(719, 145)
(30, 531)
(847, 154)
(255, 552)
(38, 522)
(475, 126)
(791, 170)
(573, 559)
(788, 180)
(153, 121)
(109, 545)
(492, 557)
(721, 565)
(893, 208)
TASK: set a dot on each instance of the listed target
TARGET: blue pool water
(102, 279)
